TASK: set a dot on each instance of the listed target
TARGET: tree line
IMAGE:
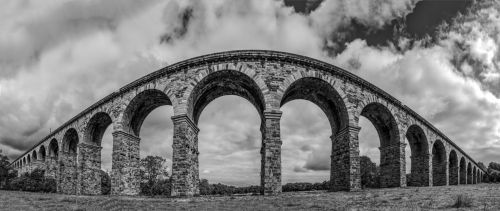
(155, 180)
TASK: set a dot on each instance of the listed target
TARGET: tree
(369, 173)
(205, 188)
(153, 173)
(6, 172)
(105, 183)
(481, 165)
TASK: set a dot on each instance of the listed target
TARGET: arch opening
(128, 142)
(68, 164)
(474, 175)
(463, 171)
(34, 155)
(390, 146)
(306, 144)
(42, 153)
(438, 164)
(229, 142)
(419, 160)
(325, 97)
(453, 168)
(210, 89)
(140, 107)
(469, 173)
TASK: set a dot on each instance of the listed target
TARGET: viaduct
(268, 79)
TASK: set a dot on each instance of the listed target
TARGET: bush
(34, 182)
(463, 201)
(162, 187)
(105, 183)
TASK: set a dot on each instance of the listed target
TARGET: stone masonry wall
(392, 166)
(185, 172)
(345, 170)
(419, 170)
(125, 164)
(271, 154)
(90, 168)
(69, 174)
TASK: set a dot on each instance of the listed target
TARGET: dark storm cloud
(420, 22)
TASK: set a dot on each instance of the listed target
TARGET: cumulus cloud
(63, 56)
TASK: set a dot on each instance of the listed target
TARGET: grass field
(482, 196)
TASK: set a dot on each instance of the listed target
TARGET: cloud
(62, 57)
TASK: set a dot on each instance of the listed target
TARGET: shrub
(463, 201)
(34, 182)
(105, 183)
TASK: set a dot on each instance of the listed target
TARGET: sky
(440, 58)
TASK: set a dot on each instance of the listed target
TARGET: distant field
(484, 197)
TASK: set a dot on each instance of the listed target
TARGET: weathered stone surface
(393, 165)
(271, 154)
(68, 180)
(90, 167)
(268, 80)
(345, 169)
(125, 164)
(185, 172)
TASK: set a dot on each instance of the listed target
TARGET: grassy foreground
(481, 197)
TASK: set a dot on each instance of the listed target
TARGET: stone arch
(474, 175)
(34, 155)
(70, 142)
(54, 149)
(438, 163)
(328, 99)
(53, 159)
(90, 152)
(419, 175)
(392, 164)
(42, 153)
(96, 127)
(68, 165)
(469, 173)
(324, 95)
(463, 171)
(139, 108)
(221, 83)
(126, 141)
(24, 161)
(209, 85)
(453, 168)
(29, 159)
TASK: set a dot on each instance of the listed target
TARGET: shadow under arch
(469, 173)
(463, 171)
(43, 153)
(419, 175)
(221, 83)
(453, 168)
(326, 97)
(438, 164)
(391, 150)
(140, 107)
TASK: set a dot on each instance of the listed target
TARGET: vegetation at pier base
(155, 178)
(105, 183)
(34, 181)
